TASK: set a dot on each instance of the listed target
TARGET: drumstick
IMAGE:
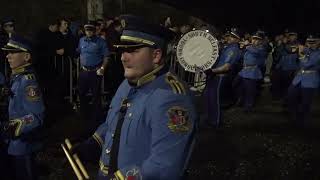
(76, 158)
(73, 165)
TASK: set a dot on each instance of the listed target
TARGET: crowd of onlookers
(60, 38)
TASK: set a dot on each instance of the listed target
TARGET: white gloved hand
(100, 71)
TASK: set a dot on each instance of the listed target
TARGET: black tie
(116, 138)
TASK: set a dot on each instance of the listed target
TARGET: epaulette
(29, 76)
(176, 85)
(98, 139)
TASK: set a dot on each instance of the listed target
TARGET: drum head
(197, 50)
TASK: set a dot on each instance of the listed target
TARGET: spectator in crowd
(100, 24)
(115, 74)
(113, 34)
(69, 43)
(47, 46)
(68, 39)
(6, 31)
(109, 21)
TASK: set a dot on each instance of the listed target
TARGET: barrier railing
(65, 74)
(69, 69)
(73, 76)
(71, 80)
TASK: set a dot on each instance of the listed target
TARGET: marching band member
(306, 81)
(26, 109)
(219, 78)
(250, 74)
(286, 67)
(151, 122)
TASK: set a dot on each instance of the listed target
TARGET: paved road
(261, 145)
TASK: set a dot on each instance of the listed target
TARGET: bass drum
(196, 51)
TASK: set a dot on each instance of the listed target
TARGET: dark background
(262, 145)
(272, 16)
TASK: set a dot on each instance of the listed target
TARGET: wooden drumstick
(73, 165)
(78, 161)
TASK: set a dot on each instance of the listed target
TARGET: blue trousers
(89, 80)
(246, 91)
(24, 167)
(281, 81)
(299, 103)
(213, 100)
(5, 169)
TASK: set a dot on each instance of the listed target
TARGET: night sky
(272, 16)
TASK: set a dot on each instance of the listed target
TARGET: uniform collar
(259, 46)
(234, 44)
(293, 42)
(21, 69)
(93, 38)
(230, 45)
(309, 50)
(151, 76)
(314, 49)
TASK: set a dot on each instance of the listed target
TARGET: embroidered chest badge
(133, 174)
(28, 119)
(178, 120)
(33, 93)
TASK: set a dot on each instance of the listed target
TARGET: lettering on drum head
(197, 49)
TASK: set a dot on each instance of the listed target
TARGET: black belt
(250, 66)
(302, 71)
(90, 68)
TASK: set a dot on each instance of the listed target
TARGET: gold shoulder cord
(176, 85)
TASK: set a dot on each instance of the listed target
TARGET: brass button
(130, 114)
(128, 104)
(112, 135)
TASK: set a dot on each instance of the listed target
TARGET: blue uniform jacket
(265, 49)
(230, 54)
(252, 60)
(157, 132)
(288, 60)
(92, 51)
(26, 108)
(308, 74)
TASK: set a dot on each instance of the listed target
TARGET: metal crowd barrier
(69, 68)
(71, 80)
(60, 70)
(73, 76)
